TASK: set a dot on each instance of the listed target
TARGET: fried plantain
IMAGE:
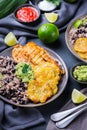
(81, 45)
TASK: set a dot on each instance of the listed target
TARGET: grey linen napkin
(66, 12)
(80, 123)
(16, 118)
(19, 118)
(71, 12)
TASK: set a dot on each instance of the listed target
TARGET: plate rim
(52, 98)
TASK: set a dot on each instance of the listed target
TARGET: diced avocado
(77, 23)
(24, 72)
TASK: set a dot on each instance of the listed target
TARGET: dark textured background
(61, 49)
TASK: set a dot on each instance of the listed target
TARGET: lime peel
(48, 33)
(77, 23)
(78, 97)
(10, 39)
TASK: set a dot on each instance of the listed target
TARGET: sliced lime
(10, 39)
(51, 17)
(77, 23)
(78, 97)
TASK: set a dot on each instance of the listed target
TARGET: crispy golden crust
(47, 77)
(80, 47)
(32, 54)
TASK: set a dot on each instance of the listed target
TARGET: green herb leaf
(26, 68)
(56, 2)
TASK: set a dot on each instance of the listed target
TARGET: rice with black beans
(76, 33)
(12, 87)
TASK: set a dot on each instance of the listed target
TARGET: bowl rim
(67, 36)
(72, 69)
(26, 5)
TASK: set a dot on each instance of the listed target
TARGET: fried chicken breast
(32, 54)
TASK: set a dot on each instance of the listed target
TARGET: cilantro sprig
(56, 2)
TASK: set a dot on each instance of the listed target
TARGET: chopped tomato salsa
(27, 14)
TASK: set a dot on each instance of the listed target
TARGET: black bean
(14, 100)
(22, 102)
(1, 58)
(13, 89)
(85, 25)
(14, 63)
(13, 70)
(73, 38)
(21, 85)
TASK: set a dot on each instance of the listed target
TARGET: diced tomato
(27, 14)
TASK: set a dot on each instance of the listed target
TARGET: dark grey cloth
(8, 114)
(16, 118)
(72, 13)
(66, 13)
(80, 123)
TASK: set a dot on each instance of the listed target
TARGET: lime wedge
(78, 97)
(10, 39)
(77, 23)
(51, 17)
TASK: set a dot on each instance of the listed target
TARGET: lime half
(51, 17)
(10, 39)
(78, 97)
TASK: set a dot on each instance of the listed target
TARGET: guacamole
(24, 72)
(80, 73)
